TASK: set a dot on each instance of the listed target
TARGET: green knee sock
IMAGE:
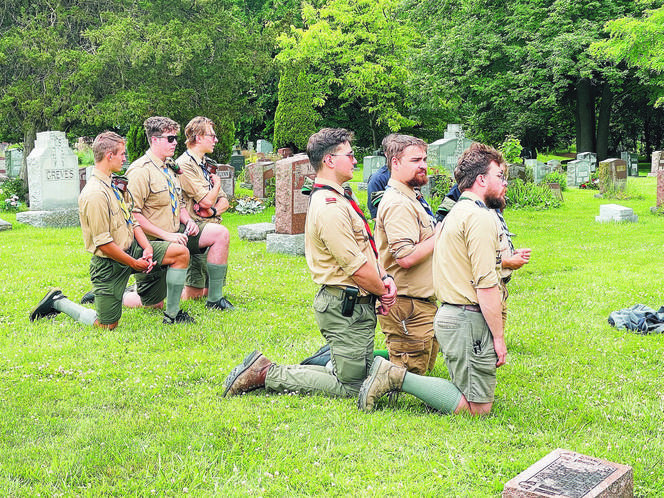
(175, 278)
(217, 277)
(382, 352)
(438, 393)
(76, 311)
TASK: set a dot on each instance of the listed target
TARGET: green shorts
(197, 275)
(109, 280)
(467, 345)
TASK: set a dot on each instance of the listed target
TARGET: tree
(295, 118)
(356, 52)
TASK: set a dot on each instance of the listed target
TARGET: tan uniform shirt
(195, 185)
(102, 219)
(466, 255)
(335, 239)
(402, 223)
(506, 249)
(148, 184)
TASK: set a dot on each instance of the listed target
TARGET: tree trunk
(646, 134)
(585, 117)
(603, 121)
(29, 137)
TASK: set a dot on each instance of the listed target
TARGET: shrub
(13, 194)
(511, 149)
(557, 177)
(592, 184)
(295, 118)
(137, 142)
(440, 185)
(522, 194)
(246, 205)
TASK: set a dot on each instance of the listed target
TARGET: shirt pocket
(359, 230)
(159, 189)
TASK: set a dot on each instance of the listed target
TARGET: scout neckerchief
(123, 206)
(202, 166)
(507, 232)
(348, 194)
(171, 188)
(425, 204)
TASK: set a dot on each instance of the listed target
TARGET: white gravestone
(53, 173)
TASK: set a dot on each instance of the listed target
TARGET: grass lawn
(137, 411)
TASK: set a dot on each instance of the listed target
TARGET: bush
(530, 195)
(13, 194)
(137, 142)
(295, 118)
(557, 177)
(592, 184)
(511, 150)
(440, 185)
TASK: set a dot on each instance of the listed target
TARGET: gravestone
(290, 203)
(54, 182)
(588, 156)
(657, 162)
(612, 175)
(5, 225)
(264, 147)
(632, 161)
(660, 187)
(557, 191)
(285, 152)
(255, 231)
(578, 172)
(616, 212)
(540, 169)
(259, 173)
(444, 153)
(82, 178)
(226, 174)
(554, 165)
(237, 161)
(516, 170)
(13, 162)
(371, 164)
(566, 474)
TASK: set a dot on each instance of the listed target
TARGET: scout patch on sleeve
(330, 200)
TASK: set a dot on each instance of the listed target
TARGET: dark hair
(394, 145)
(197, 127)
(474, 162)
(104, 143)
(156, 125)
(326, 142)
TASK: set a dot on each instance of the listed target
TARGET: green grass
(137, 411)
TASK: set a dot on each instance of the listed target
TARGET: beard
(418, 181)
(494, 202)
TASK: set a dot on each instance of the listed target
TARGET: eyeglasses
(170, 138)
(210, 135)
(350, 155)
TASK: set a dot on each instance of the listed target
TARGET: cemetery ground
(137, 411)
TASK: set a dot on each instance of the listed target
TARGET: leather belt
(431, 299)
(339, 292)
(468, 307)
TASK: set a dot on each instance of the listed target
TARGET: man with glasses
(342, 258)
(117, 243)
(159, 209)
(466, 276)
(205, 202)
(405, 229)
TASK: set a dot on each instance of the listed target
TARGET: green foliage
(557, 177)
(225, 130)
(522, 195)
(248, 205)
(592, 184)
(440, 185)
(137, 142)
(13, 195)
(85, 157)
(295, 119)
(511, 149)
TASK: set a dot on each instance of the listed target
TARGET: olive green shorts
(467, 345)
(109, 280)
(197, 276)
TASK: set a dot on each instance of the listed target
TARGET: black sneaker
(45, 307)
(222, 304)
(181, 317)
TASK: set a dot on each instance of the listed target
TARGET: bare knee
(176, 256)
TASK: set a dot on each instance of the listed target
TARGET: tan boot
(384, 377)
(248, 375)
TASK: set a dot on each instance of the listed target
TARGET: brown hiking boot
(248, 375)
(384, 377)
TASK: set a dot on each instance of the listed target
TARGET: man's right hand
(142, 265)
(501, 350)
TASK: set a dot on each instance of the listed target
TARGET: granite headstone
(290, 203)
(612, 175)
(226, 174)
(632, 161)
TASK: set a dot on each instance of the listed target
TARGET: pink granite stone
(290, 204)
(566, 474)
(259, 172)
(660, 187)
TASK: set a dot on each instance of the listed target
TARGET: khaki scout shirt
(336, 242)
(402, 223)
(148, 184)
(195, 185)
(102, 219)
(466, 255)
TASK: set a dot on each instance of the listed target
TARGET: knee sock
(76, 311)
(217, 277)
(438, 393)
(382, 352)
(175, 278)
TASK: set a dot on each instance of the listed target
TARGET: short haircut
(156, 125)
(104, 143)
(326, 142)
(474, 162)
(197, 127)
(394, 145)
